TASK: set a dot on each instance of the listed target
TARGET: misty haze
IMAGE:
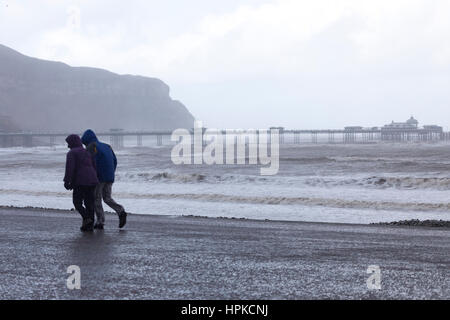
(225, 150)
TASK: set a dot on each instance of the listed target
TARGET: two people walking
(90, 173)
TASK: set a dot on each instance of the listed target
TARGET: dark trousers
(84, 195)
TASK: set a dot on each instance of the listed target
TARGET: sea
(335, 183)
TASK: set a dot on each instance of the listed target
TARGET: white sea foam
(356, 184)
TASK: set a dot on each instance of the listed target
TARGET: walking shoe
(98, 226)
(88, 225)
(122, 219)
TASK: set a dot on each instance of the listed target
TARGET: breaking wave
(166, 176)
(312, 160)
(189, 178)
(382, 182)
(374, 182)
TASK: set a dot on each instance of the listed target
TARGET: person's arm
(114, 159)
(92, 148)
(70, 170)
(94, 161)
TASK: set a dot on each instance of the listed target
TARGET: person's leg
(89, 201)
(79, 196)
(107, 190)
(78, 201)
(98, 203)
(107, 197)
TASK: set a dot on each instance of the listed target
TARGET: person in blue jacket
(106, 163)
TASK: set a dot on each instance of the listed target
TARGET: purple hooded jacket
(80, 167)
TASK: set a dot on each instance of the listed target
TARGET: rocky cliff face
(52, 96)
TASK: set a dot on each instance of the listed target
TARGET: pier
(115, 137)
(121, 139)
(408, 131)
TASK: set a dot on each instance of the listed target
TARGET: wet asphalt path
(160, 257)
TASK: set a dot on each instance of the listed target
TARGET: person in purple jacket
(81, 177)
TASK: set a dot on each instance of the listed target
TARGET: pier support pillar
(314, 137)
(296, 137)
(330, 137)
(27, 141)
(5, 142)
(116, 141)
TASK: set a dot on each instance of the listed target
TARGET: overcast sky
(258, 63)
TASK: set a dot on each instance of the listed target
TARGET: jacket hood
(73, 141)
(88, 137)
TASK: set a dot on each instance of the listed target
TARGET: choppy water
(329, 183)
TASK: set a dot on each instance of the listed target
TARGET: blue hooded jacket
(105, 159)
